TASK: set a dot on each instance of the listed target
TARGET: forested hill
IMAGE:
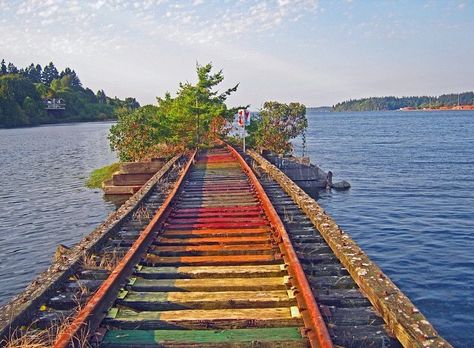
(24, 91)
(395, 103)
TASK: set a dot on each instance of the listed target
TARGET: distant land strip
(453, 101)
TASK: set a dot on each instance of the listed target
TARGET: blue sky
(314, 52)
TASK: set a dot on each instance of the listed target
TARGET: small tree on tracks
(279, 124)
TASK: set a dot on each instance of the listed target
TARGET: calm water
(411, 205)
(43, 201)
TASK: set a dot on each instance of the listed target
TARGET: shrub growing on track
(194, 116)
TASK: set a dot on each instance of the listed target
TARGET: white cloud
(190, 21)
(97, 5)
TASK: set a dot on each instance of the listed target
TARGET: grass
(31, 337)
(141, 214)
(108, 261)
(98, 176)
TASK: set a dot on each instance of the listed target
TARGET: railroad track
(214, 267)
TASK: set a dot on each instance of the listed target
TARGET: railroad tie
(213, 276)
(214, 267)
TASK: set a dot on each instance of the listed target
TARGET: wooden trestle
(214, 268)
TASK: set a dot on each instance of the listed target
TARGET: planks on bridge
(213, 276)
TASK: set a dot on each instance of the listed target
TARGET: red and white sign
(243, 117)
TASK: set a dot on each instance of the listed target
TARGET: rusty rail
(317, 330)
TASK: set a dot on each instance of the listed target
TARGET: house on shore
(54, 104)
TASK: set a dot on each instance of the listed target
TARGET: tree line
(395, 103)
(23, 92)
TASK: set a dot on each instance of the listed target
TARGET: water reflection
(116, 200)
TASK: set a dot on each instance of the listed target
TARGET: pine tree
(33, 73)
(65, 72)
(3, 68)
(12, 69)
(101, 97)
(49, 74)
(75, 81)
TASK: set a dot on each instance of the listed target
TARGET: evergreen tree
(3, 67)
(33, 73)
(131, 104)
(89, 93)
(195, 107)
(75, 81)
(49, 74)
(65, 72)
(101, 97)
(12, 69)
(194, 116)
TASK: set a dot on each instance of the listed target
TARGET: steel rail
(317, 333)
(97, 301)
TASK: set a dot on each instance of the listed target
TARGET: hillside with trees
(395, 103)
(23, 93)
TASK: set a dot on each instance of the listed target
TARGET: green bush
(98, 176)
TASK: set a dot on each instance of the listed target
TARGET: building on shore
(54, 104)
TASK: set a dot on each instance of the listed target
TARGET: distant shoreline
(61, 123)
(453, 101)
(441, 108)
(392, 110)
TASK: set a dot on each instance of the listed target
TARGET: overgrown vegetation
(98, 176)
(195, 116)
(395, 103)
(23, 92)
(276, 125)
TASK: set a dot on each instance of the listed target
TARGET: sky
(313, 52)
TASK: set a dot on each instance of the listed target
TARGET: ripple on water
(411, 205)
(43, 201)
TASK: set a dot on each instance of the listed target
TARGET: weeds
(90, 261)
(110, 261)
(28, 338)
(288, 216)
(31, 337)
(107, 261)
(141, 214)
